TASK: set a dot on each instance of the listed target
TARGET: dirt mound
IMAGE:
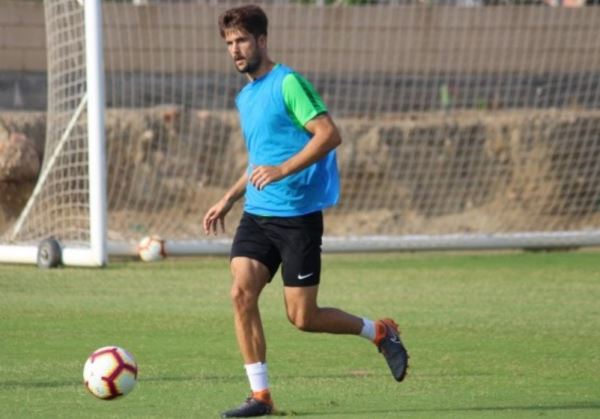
(431, 173)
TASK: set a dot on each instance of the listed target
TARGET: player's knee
(301, 320)
(242, 299)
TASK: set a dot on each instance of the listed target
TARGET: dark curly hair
(249, 18)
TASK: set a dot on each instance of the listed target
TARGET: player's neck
(265, 66)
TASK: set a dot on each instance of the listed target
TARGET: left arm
(325, 137)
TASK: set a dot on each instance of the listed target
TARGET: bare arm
(216, 214)
(325, 138)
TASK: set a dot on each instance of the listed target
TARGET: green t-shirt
(301, 99)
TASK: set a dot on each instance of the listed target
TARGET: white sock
(257, 375)
(368, 329)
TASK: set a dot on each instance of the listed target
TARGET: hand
(215, 216)
(263, 175)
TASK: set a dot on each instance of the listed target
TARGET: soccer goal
(463, 127)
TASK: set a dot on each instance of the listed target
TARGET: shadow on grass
(9, 384)
(367, 413)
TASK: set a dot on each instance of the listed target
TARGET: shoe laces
(392, 324)
(381, 329)
(259, 398)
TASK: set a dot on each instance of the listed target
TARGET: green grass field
(511, 335)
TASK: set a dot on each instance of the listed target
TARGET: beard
(251, 65)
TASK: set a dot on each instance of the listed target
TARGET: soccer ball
(151, 248)
(110, 372)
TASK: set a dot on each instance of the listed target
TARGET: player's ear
(261, 41)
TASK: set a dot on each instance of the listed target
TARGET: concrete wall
(349, 53)
(332, 39)
(22, 37)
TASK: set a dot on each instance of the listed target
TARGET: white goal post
(94, 251)
(463, 127)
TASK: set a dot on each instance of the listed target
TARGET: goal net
(463, 127)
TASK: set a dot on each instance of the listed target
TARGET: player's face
(245, 50)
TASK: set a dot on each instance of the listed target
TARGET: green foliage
(490, 335)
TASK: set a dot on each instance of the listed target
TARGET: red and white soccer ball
(110, 372)
(151, 248)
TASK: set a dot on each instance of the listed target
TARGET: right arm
(216, 214)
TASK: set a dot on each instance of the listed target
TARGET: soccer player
(291, 178)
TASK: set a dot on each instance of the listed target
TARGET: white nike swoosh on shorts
(301, 277)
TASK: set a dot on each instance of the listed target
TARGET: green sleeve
(301, 99)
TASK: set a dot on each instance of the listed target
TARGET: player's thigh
(252, 250)
(300, 302)
(300, 249)
(249, 276)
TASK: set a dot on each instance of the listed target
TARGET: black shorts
(292, 242)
